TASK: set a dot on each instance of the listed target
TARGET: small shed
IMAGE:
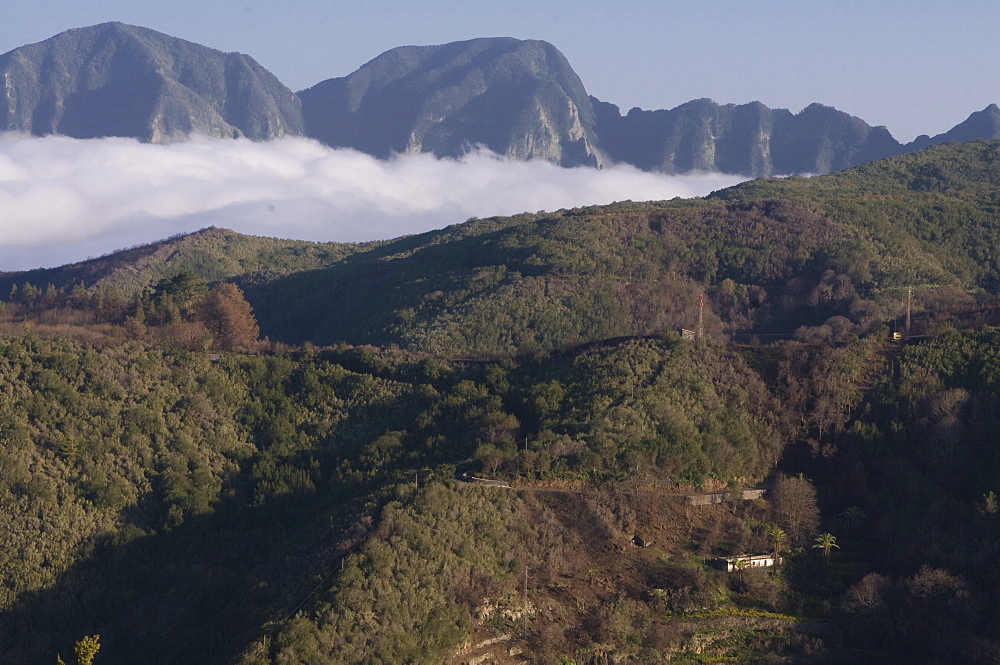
(728, 563)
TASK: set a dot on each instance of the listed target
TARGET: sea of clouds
(64, 200)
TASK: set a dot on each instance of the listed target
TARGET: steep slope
(752, 139)
(518, 98)
(121, 80)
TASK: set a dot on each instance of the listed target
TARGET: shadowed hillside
(771, 255)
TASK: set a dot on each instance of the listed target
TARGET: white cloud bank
(63, 200)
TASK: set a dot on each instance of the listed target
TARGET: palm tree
(741, 565)
(826, 542)
(853, 519)
(778, 535)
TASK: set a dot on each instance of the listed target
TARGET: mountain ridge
(519, 98)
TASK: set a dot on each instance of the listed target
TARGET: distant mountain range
(518, 98)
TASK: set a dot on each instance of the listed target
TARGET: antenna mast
(701, 316)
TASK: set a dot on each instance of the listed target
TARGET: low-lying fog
(64, 200)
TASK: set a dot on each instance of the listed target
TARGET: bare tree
(793, 507)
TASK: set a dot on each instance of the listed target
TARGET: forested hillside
(212, 254)
(176, 488)
(151, 492)
(770, 256)
(302, 508)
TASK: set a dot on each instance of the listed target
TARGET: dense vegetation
(117, 461)
(151, 494)
(212, 254)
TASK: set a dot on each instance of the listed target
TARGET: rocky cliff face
(750, 139)
(121, 80)
(517, 98)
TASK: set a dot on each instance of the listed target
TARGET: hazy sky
(915, 66)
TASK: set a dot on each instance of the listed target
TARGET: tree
(867, 594)
(227, 314)
(176, 298)
(988, 505)
(853, 519)
(778, 536)
(740, 565)
(793, 504)
(186, 289)
(85, 650)
(826, 542)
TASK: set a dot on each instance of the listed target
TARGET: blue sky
(914, 66)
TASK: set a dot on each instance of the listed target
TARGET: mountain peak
(519, 98)
(116, 79)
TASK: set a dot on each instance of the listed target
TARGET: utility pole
(909, 299)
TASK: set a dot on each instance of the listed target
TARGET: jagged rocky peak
(518, 98)
(750, 139)
(115, 79)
